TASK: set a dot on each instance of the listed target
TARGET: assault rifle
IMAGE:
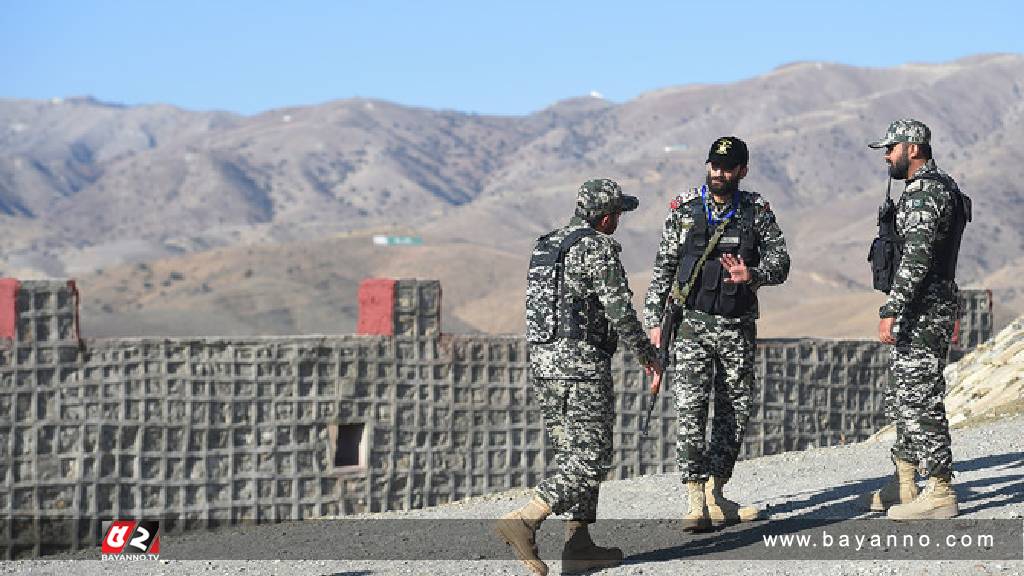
(674, 309)
(669, 324)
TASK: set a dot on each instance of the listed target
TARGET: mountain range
(178, 222)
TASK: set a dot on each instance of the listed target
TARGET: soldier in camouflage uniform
(715, 338)
(573, 326)
(918, 319)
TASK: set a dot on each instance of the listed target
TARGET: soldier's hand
(737, 269)
(656, 336)
(656, 384)
(653, 367)
(885, 331)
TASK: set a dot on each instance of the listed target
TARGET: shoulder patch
(683, 198)
(765, 208)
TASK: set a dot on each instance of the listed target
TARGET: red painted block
(376, 307)
(8, 306)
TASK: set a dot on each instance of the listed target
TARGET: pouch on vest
(887, 248)
(707, 295)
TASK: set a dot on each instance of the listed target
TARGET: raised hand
(737, 269)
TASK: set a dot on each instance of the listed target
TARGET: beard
(899, 169)
(722, 187)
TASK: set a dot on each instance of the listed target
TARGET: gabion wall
(212, 431)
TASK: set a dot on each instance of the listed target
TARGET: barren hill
(266, 219)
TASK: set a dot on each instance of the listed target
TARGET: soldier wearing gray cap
(926, 226)
(578, 306)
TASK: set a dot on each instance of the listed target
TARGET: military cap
(904, 130)
(728, 152)
(599, 197)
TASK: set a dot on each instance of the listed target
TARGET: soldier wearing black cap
(719, 246)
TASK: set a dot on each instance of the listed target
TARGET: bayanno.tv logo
(131, 540)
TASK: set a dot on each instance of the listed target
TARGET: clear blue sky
(509, 57)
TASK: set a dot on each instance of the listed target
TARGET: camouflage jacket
(773, 269)
(592, 266)
(924, 218)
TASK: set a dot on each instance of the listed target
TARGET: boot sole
(722, 522)
(705, 526)
(569, 568)
(939, 514)
(525, 559)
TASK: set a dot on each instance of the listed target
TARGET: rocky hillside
(990, 380)
(88, 186)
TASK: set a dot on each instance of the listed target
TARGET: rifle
(673, 312)
(669, 324)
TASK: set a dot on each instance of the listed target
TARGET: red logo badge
(130, 537)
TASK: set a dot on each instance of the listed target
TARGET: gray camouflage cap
(904, 130)
(599, 197)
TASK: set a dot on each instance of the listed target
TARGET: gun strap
(680, 294)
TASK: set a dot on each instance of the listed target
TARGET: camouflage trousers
(916, 389)
(709, 354)
(578, 417)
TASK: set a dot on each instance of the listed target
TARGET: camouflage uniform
(925, 307)
(711, 349)
(572, 377)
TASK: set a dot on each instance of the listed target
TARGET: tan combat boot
(723, 511)
(519, 528)
(900, 490)
(580, 554)
(936, 501)
(696, 519)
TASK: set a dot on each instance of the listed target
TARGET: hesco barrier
(200, 432)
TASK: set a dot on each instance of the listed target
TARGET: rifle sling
(680, 295)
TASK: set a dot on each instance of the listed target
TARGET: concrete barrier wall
(210, 431)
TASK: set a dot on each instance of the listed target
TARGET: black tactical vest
(947, 252)
(552, 310)
(887, 249)
(710, 293)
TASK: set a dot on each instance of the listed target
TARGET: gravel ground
(812, 491)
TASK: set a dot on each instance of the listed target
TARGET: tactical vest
(553, 311)
(887, 249)
(710, 293)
